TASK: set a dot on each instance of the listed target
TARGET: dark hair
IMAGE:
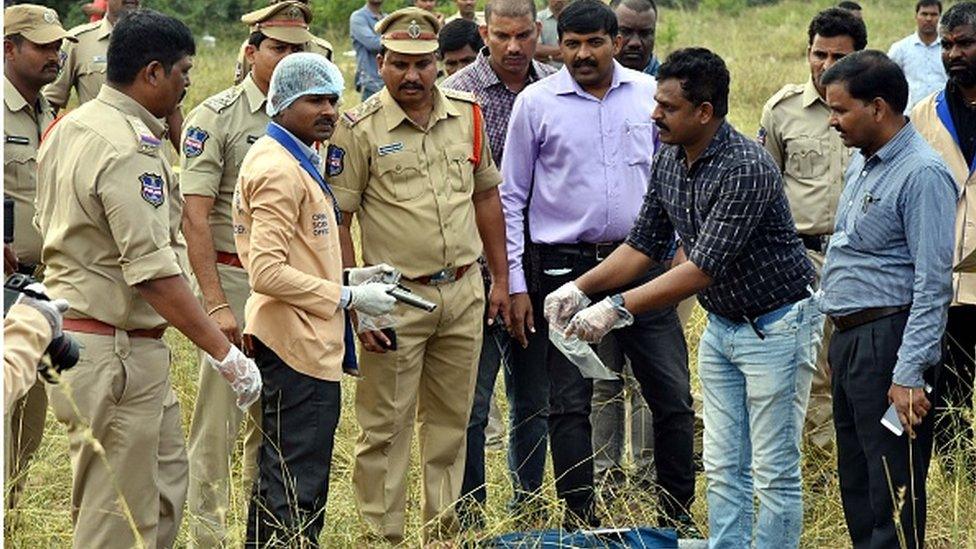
(255, 39)
(457, 34)
(16, 39)
(703, 75)
(510, 8)
(869, 74)
(963, 13)
(143, 36)
(833, 22)
(926, 3)
(850, 6)
(586, 16)
(640, 6)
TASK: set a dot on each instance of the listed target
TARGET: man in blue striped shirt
(886, 287)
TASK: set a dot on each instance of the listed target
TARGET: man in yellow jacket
(286, 229)
(947, 120)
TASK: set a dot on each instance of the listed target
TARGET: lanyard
(275, 132)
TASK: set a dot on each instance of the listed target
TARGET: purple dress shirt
(581, 164)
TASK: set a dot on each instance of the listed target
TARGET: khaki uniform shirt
(288, 240)
(26, 335)
(83, 64)
(320, 46)
(928, 124)
(109, 209)
(23, 126)
(412, 186)
(809, 152)
(216, 136)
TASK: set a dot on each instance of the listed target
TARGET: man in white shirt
(919, 54)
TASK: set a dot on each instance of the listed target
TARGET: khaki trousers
(128, 459)
(213, 435)
(430, 377)
(22, 434)
(818, 427)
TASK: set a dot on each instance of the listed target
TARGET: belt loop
(122, 346)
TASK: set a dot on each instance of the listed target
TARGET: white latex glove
(242, 374)
(371, 298)
(594, 322)
(359, 275)
(52, 311)
(562, 304)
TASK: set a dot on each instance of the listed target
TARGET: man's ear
(379, 61)
(618, 42)
(249, 51)
(153, 73)
(8, 49)
(483, 31)
(705, 113)
(879, 107)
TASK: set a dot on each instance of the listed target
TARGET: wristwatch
(618, 303)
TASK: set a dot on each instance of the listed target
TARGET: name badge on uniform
(194, 142)
(16, 140)
(99, 59)
(384, 150)
(152, 189)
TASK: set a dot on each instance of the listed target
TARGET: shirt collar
(916, 39)
(565, 83)
(255, 97)
(895, 144)
(810, 94)
(104, 28)
(395, 115)
(129, 106)
(309, 152)
(12, 97)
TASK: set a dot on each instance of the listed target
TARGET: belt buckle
(443, 276)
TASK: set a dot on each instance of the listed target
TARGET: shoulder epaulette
(83, 28)
(224, 99)
(785, 92)
(356, 114)
(459, 95)
(145, 141)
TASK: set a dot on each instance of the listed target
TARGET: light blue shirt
(892, 246)
(366, 43)
(922, 65)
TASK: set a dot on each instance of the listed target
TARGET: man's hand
(499, 303)
(372, 298)
(242, 374)
(522, 319)
(228, 325)
(52, 311)
(596, 321)
(912, 405)
(10, 261)
(359, 275)
(562, 304)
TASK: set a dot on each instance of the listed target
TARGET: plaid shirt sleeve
(741, 202)
(653, 233)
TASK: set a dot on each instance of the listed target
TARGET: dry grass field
(765, 48)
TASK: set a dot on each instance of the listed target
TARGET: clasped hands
(569, 310)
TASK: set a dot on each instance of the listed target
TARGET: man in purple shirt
(578, 158)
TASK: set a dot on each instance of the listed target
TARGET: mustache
(662, 126)
(584, 63)
(411, 86)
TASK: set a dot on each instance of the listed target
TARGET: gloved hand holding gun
(242, 374)
(388, 278)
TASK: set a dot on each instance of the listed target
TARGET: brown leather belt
(860, 318)
(444, 276)
(97, 327)
(227, 258)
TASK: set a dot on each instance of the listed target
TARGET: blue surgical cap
(302, 74)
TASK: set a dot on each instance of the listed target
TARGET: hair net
(302, 74)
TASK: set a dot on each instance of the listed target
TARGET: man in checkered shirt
(724, 196)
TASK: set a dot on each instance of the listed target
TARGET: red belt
(97, 327)
(227, 258)
(443, 276)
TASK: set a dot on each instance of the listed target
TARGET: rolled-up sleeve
(518, 171)
(928, 205)
(653, 232)
(746, 193)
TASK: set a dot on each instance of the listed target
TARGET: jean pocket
(787, 322)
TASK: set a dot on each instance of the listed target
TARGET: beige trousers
(128, 459)
(213, 435)
(430, 378)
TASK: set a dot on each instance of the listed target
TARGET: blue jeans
(755, 397)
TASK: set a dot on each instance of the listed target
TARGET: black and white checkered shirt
(734, 222)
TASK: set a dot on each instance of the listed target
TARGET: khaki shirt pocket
(806, 158)
(637, 144)
(460, 170)
(19, 166)
(400, 175)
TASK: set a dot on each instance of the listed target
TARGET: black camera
(63, 351)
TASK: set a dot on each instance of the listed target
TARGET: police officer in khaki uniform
(32, 37)
(109, 211)
(217, 134)
(813, 159)
(315, 44)
(413, 164)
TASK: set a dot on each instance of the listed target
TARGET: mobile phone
(390, 334)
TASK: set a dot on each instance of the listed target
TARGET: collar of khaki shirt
(395, 115)
(104, 29)
(130, 106)
(12, 97)
(255, 97)
(811, 95)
